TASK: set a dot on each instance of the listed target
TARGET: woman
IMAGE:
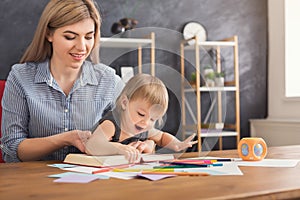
(54, 95)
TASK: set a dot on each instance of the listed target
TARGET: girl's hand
(130, 151)
(186, 143)
(147, 146)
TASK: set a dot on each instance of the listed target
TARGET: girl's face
(72, 44)
(140, 116)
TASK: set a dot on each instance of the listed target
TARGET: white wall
(292, 43)
(279, 107)
(282, 125)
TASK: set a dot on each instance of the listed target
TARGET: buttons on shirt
(66, 110)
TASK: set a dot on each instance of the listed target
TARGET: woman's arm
(36, 148)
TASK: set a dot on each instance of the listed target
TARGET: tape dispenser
(252, 149)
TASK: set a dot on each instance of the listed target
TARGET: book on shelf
(104, 161)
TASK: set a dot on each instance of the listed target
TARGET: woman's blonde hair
(59, 13)
(146, 87)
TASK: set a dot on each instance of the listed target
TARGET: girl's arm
(99, 143)
(130, 151)
(147, 146)
(169, 141)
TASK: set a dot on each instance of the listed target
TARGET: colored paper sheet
(75, 178)
(72, 173)
(62, 165)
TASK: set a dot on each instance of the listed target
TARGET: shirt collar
(87, 75)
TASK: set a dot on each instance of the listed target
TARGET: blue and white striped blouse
(35, 106)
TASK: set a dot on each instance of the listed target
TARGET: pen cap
(252, 149)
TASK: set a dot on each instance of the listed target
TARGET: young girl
(130, 126)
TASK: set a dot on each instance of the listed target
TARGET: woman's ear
(49, 36)
(124, 102)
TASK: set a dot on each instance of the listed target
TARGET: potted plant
(207, 69)
(219, 79)
(193, 79)
(210, 79)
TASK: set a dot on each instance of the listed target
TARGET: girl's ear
(124, 102)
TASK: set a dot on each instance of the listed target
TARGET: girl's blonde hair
(146, 87)
(59, 13)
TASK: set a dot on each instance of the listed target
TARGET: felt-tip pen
(101, 170)
(178, 173)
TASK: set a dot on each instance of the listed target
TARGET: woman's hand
(78, 138)
(37, 148)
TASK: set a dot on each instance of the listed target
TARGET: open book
(103, 161)
(101, 153)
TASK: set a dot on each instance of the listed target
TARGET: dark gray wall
(221, 18)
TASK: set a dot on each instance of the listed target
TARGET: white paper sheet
(262, 163)
(82, 169)
(268, 163)
(228, 168)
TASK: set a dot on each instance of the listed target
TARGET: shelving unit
(232, 86)
(138, 43)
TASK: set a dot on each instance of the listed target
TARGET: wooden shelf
(217, 105)
(214, 133)
(133, 43)
(212, 89)
(124, 42)
(211, 44)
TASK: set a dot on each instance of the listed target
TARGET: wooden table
(29, 180)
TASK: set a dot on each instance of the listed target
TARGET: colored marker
(101, 170)
(174, 166)
(188, 161)
(143, 170)
(106, 169)
(219, 159)
(195, 165)
(178, 173)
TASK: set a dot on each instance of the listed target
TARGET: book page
(156, 157)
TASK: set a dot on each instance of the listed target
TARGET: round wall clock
(191, 29)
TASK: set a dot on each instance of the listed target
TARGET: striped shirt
(35, 106)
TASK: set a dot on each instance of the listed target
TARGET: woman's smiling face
(72, 44)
